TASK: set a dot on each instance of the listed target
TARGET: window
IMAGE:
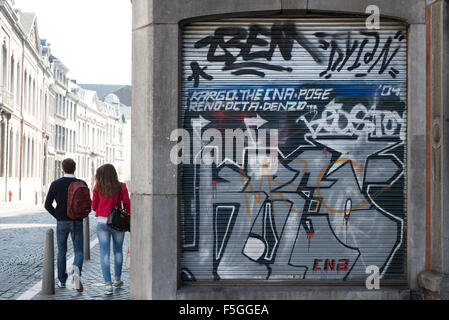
(32, 159)
(63, 138)
(4, 68)
(25, 92)
(29, 94)
(28, 158)
(18, 87)
(58, 172)
(64, 110)
(33, 101)
(12, 75)
(58, 136)
(88, 135)
(39, 110)
(46, 107)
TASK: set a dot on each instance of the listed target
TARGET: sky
(91, 37)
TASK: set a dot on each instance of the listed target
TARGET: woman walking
(105, 196)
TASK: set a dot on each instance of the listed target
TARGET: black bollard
(48, 277)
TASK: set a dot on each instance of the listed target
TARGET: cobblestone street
(22, 235)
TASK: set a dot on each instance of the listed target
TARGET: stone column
(154, 179)
(435, 280)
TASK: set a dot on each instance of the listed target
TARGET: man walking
(59, 191)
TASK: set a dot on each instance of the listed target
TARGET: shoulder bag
(118, 218)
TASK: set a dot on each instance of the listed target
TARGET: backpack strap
(74, 224)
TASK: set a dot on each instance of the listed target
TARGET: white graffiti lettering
(335, 121)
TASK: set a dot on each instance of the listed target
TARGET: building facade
(337, 166)
(115, 142)
(45, 117)
(26, 82)
(91, 127)
(65, 116)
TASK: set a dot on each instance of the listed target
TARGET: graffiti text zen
(335, 121)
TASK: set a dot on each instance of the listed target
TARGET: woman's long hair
(107, 180)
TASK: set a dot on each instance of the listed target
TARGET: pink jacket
(102, 206)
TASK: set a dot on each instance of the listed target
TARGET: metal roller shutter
(317, 189)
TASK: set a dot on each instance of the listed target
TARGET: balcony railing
(6, 97)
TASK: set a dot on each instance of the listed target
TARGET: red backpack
(78, 200)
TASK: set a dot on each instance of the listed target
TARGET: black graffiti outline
(306, 215)
(187, 275)
(376, 155)
(342, 58)
(304, 179)
(392, 179)
(217, 256)
(282, 36)
(392, 217)
(194, 216)
(364, 191)
(198, 72)
(399, 222)
(262, 260)
(311, 217)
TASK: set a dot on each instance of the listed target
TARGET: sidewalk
(92, 278)
(22, 227)
(7, 208)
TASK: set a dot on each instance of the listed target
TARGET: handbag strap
(119, 194)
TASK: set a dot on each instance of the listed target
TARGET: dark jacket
(58, 191)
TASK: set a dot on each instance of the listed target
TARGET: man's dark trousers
(63, 229)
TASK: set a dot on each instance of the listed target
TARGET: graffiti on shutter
(323, 197)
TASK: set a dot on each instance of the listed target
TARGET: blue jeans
(63, 229)
(104, 234)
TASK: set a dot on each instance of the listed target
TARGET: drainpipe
(21, 121)
(44, 118)
(7, 116)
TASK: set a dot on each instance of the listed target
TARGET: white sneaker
(77, 279)
(117, 284)
(108, 290)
